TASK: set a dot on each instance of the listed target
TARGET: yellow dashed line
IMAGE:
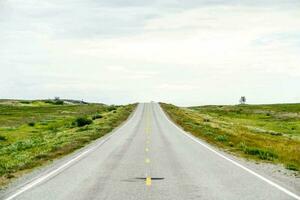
(148, 131)
(148, 123)
(148, 181)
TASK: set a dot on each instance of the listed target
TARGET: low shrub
(31, 124)
(25, 102)
(58, 102)
(208, 133)
(55, 102)
(82, 121)
(49, 101)
(97, 116)
(111, 108)
(260, 153)
(20, 145)
(2, 138)
(221, 138)
(291, 167)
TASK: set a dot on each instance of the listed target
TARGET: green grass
(270, 133)
(32, 135)
(277, 119)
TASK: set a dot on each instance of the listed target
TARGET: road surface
(149, 158)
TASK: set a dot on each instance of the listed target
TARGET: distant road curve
(149, 157)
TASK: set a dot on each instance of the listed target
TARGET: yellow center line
(148, 122)
(148, 128)
(148, 131)
(148, 181)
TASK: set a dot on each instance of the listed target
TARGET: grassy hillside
(270, 133)
(33, 133)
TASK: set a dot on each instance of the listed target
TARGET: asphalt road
(149, 158)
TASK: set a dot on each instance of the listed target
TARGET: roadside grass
(31, 136)
(269, 133)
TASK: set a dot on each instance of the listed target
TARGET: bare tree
(242, 100)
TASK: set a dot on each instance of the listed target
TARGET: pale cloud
(191, 52)
(179, 87)
(211, 41)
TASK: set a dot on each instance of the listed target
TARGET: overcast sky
(188, 52)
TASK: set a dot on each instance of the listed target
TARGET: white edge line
(232, 161)
(62, 167)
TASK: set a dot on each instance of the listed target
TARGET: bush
(31, 124)
(82, 121)
(55, 102)
(261, 153)
(111, 108)
(206, 120)
(49, 101)
(291, 167)
(97, 116)
(25, 102)
(221, 138)
(2, 138)
(58, 102)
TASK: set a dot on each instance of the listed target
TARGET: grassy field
(269, 133)
(34, 133)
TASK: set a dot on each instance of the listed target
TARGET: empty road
(148, 158)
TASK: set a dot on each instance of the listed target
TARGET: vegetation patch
(260, 153)
(82, 121)
(32, 135)
(2, 138)
(269, 133)
(55, 102)
(221, 138)
(292, 167)
(31, 123)
(112, 108)
(97, 116)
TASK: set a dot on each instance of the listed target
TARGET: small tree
(58, 101)
(242, 100)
